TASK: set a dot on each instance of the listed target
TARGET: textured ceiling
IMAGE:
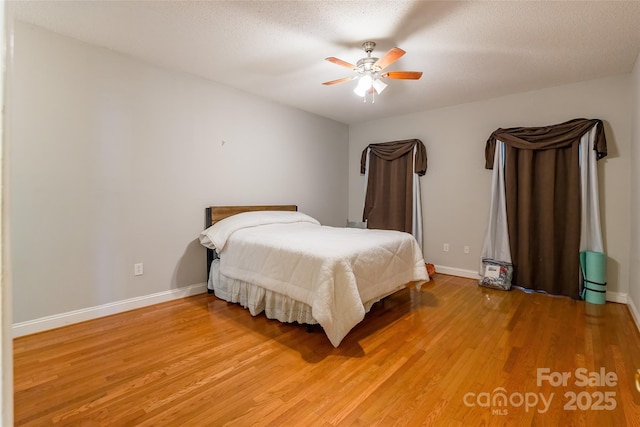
(468, 51)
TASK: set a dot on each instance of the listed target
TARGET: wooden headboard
(214, 214)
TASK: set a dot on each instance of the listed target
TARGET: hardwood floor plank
(435, 356)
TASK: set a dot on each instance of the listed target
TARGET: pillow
(216, 236)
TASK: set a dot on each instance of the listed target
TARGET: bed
(282, 262)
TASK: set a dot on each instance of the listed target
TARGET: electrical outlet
(466, 249)
(138, 269)
(445, 247)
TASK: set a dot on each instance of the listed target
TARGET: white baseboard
(470, 274)
(634, 312)
(76, 316)
(617, 297)
(452, 271)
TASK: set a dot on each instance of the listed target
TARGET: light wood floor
(439, 356)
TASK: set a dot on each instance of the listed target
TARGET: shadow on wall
(191, 268)
(612, 145)
(612, 275)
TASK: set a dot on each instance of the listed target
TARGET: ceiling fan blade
(404, 75)
(342, 80)
(389, 58)
(341, 63)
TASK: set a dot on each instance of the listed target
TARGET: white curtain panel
(416, 225)
(590, 233)
(496, 239)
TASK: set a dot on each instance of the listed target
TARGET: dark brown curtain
(542, 185)
(389, 198)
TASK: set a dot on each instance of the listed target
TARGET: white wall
(114, 161)
(634, 269)
(6, 337)
(455, 189)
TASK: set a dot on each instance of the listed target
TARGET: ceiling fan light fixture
(368, 71)
(364, 85)
(379, 86)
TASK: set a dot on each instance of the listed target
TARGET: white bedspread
(333, 270)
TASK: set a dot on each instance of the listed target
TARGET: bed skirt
(257, 299)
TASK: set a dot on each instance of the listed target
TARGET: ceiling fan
(369, 71)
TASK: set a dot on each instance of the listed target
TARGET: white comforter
(333, 270)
